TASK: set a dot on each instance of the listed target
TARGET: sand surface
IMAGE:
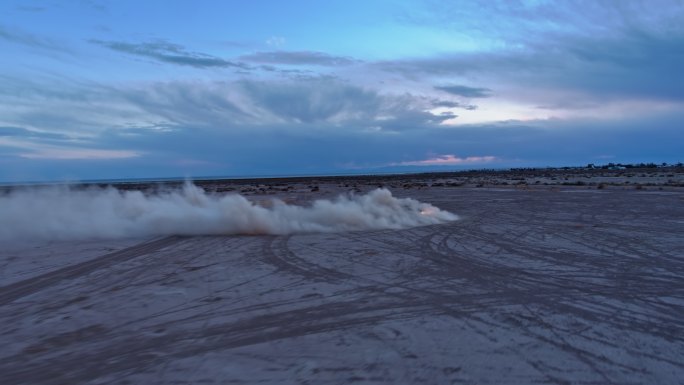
(532, 286)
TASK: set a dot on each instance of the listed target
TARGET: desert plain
(548, 277)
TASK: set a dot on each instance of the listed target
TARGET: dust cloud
(69, 213)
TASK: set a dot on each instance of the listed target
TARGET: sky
(122, 89)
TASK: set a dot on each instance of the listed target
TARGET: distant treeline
(615, 166)
(608, 166)
(618, 166)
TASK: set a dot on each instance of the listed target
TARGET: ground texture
(557, 286)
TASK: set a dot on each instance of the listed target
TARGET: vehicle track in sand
(539, 287)
(14, 291)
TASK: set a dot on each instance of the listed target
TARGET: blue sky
(129, 89)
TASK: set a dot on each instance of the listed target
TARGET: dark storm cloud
(465, 91)
(167, 52)
(299, 58)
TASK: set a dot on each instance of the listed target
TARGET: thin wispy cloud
(563, 77)
(79, 154)
(276, 41)
(452, 104)
(30, 8)
(299, 58)
(19, 36)
(465, 91)
(172, 53)
(307, 102)
(21, 132)
(32, 150)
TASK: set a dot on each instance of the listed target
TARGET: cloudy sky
(136, 89)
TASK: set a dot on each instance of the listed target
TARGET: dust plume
(68, 213)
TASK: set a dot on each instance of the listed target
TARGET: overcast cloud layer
(106, 90)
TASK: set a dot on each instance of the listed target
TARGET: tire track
(135, 353)
(276, 252)
(12, 292)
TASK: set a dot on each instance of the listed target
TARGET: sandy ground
(532, 286)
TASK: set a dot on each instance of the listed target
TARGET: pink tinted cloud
(446, 160)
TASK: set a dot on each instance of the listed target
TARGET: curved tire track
(12, 292)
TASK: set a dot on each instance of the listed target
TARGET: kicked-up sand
(548, 285)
